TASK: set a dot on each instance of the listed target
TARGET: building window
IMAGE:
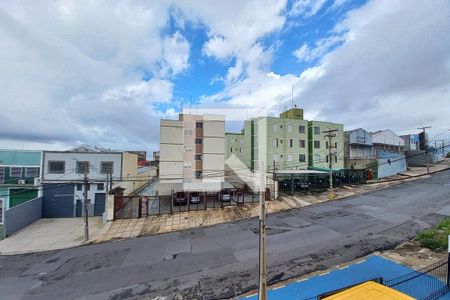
(32, 172)
(289, 157)
(301, 129)
(240, 149)
(82, 167)
(281, 126)
(100, 186)
(274, 128)
(106, 167)
(335, 158)
(188, 132)
(301, 157)
(281, 141)
(289, 128)
(198, 157)
(79, 187)
(231, 149)
(56, 166)
(2, 209)
(316, 158)
(335, 145)
(290, 143)
(327, 158)
(188, 148)
(316, 130)
(275, 157)
(241, 141)
(301, 144)
(275, 143)
(198, 174)
(198, 124)
(316, 144)
(326, 145)
(198, 141)
(15, 172)
(187, 165)
(2, 174)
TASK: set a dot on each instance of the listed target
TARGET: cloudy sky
(105, 72)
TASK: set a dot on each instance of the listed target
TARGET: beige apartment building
(192, 153)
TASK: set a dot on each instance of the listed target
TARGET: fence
(22, 215)
(127, 207)
(291, 183)
(428, 283)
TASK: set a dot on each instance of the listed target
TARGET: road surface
(220, 261)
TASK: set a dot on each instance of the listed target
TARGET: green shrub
(435, 238)
(448, 155)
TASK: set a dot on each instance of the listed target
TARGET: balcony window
(301, 143)
(198, 141)
(301, 129)
(198, 124)
(301, 157)
(316, 144)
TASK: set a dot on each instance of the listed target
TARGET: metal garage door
(57, 201)
(99, 206)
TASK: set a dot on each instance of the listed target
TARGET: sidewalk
(50, 234)
(122, 229)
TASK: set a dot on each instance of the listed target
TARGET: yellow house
(370, 291)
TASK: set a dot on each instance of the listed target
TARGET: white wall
(71, 158)
(387, 137)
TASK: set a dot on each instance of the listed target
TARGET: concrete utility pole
(426, 146)
(262, 291)
(86, 219)
(331, 151)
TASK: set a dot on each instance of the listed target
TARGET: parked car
(195, 198)
(225, 196)
(180, 199)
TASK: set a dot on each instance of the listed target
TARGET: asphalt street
(221, 261)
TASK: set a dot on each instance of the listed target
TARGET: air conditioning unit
(37, 181)
(21, 181)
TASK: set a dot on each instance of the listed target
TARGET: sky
(105, 72)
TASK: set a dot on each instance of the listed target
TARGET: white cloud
(217, 47)
(306, 8)
(391, 71)
(175, 54)
(322, 46)
(71, 72)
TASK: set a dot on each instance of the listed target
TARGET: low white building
(63, 180)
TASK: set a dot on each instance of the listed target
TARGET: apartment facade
(19, 170)
(234, 144)
(319, 145)
(192, 153)
(289, 142)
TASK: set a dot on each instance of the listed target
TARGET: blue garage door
(99, 206)
(57, 201)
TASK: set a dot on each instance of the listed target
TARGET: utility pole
(330, 134)
(426, 146)
(86, 219)
(262, 291)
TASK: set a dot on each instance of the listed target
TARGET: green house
(18, 171)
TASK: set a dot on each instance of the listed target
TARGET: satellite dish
(333, 151)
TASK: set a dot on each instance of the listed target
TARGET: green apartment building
(288, 143)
